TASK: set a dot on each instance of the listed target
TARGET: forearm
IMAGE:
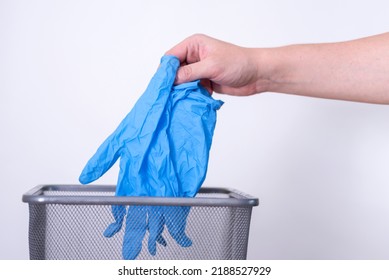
(355, 70)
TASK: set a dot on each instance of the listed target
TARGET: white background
(71, 70)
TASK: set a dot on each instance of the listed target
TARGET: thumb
(192, 72)
(105, 156)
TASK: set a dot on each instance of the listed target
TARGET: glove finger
(135, 232)
(118, 212)
(105, 156)
(175, 218)
(155, 225)
(166, 73)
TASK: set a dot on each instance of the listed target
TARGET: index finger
(187, 51)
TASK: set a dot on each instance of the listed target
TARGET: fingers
(188, 51)
(105, 156)
(156, 226)
(118, 212)
(192, 55)
(192, 72)
(135, 232)
(175, 218)
(180, 51)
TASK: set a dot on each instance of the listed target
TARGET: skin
(356, 70)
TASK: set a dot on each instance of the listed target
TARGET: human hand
(222, 67)
(353, 70)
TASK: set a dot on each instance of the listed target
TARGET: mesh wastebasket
(68, 221)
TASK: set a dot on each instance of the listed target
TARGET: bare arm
(355, 70)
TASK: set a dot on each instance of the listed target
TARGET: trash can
(66, 222)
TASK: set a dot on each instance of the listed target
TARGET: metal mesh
(61, 231)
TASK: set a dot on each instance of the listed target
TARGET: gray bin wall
(67, 222)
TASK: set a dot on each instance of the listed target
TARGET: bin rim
(36, 196)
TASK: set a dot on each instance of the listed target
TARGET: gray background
(71, 70)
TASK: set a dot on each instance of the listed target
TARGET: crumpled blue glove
(163, 145)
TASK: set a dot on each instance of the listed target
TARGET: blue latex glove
(163, 144)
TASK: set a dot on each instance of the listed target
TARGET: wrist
(271, 69)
